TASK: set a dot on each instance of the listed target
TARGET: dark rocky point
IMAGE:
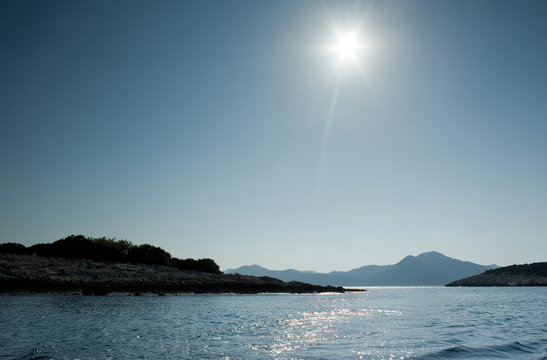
(515, 275)
(31, 273)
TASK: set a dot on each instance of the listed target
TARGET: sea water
(382, 323)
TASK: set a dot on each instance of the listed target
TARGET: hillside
(100, 265)
(431, 268)
(31, 273)
(104, 249)
(515, 275)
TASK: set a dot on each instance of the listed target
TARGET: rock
(515, 275)
(30, 273)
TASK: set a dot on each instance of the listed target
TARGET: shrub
(204, 265)
(148, 254)
(73, 246)
(13, 248)
(111, 249)
(104, 249)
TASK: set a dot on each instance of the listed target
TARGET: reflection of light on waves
(326, 132)
(309, 329)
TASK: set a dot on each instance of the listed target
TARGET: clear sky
(234, 130)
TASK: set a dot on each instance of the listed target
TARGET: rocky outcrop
(515, 275)
(28, 273)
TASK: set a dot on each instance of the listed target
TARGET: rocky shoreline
(30, 273)
(515, 275)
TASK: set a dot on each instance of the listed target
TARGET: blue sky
(224, 129)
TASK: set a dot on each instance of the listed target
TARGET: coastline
(534, 274)
(35, 274)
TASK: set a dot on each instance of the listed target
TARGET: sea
(381, 323)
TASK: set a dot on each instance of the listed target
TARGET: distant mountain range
(431, 268)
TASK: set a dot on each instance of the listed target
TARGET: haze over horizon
(360, 266)
(308, 135)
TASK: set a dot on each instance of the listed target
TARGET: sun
(347, 48)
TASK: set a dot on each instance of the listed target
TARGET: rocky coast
(31, 273)
(515, 275)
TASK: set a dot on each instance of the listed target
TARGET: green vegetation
(527, 269)
(112, 250)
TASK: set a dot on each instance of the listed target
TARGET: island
(515, 275)
(100, 266)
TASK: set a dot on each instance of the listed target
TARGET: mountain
(431, 268)
(515, 275)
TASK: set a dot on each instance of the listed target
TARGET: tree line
(112, 250)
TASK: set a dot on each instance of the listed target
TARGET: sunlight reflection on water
(384, 323)
(319, 328)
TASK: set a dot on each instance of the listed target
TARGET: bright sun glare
(347, 47)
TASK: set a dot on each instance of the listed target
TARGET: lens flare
(348, 48)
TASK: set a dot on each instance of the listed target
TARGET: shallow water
(383, 323)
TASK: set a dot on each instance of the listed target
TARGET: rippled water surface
(383, 323)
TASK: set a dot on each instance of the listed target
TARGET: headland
(515, 275)
(31, 273)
